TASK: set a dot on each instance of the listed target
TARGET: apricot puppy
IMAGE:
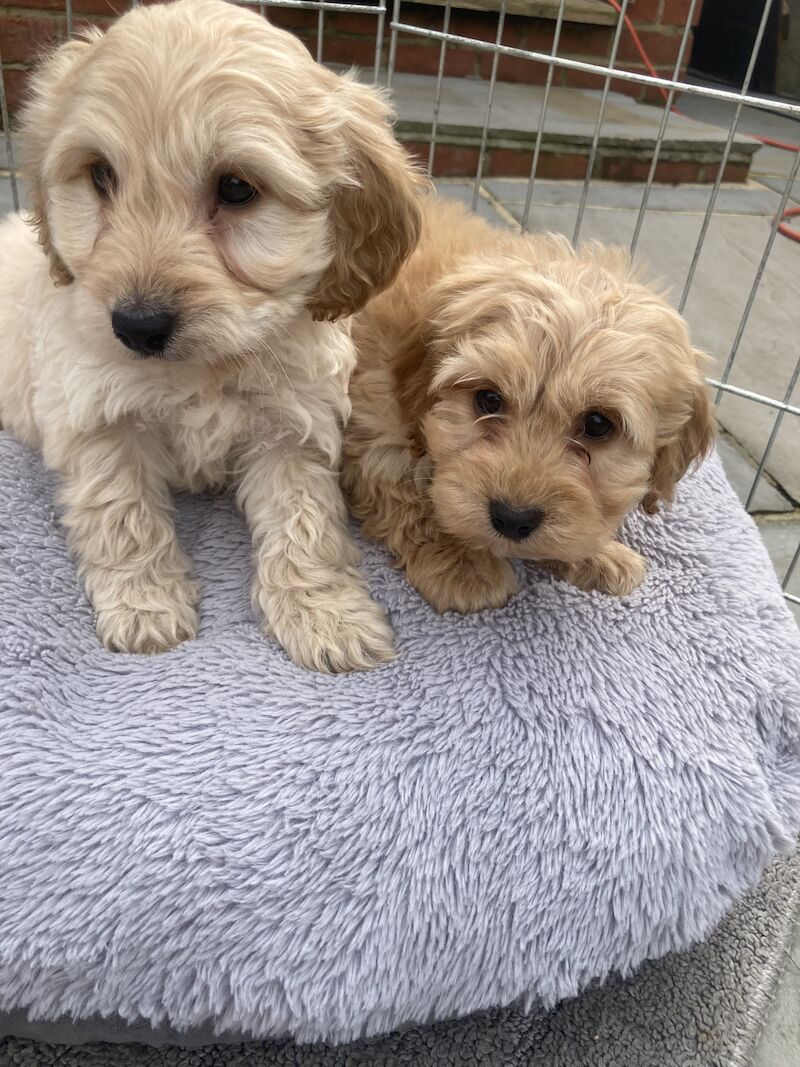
(516, 399)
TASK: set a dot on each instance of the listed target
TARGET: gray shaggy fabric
(525, 802)
(701, 1008)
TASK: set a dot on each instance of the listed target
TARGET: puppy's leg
(118, 513)
(382, 486)
(615, 569)
(453, 577)
(314, 602)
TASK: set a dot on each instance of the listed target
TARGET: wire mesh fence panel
(433, 44)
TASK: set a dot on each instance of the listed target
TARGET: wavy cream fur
(252, 391)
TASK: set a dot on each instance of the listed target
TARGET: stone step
(691, 150)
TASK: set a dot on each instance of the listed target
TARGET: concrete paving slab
(755, 121)
(463, 191)
(777, 184)
(741, 470)
(779, 1044)
(15, 148)
(629, 130)
(772, 161)
(6, 199)
(571, 112)
(781, 535)
(750, 198)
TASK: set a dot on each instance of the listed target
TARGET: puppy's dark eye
(596, 426)
(488, 402)
(104, 179)
(234, 191)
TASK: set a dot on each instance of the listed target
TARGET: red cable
(783, 228)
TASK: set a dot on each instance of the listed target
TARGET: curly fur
(251, 392)
(558, 333)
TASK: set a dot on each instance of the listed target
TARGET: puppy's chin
(573, 527)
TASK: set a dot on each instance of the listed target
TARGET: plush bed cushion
(526, 800)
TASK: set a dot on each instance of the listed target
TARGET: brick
(513, 69)
(734, 172)
(508, 163)
(675, 12)
(632, 169)
(661, 48)
(482, 26)
(562, 165)
(16, 84)
(109, 8)
(25, 37)
(416, 57)
(580, 79)
(454, 161)
(359, 51)
(643, 11)
(350, 22)
(579, 40)
(291, 19)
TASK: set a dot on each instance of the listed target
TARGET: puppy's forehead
(568, 349)
(177, 56)
(200, 84)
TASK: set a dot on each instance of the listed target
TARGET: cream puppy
(207, 201)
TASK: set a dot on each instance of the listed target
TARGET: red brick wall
(28, 26)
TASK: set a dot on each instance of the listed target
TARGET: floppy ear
(465, 300)
(40, 121)
(689, 445)
(375, 216)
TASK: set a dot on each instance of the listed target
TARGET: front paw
(168, 621)
(616, 570)
(333, 629)
(454, 578)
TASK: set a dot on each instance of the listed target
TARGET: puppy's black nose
(143, 328)
(514, 523)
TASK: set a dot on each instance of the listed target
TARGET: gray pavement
(628, 129)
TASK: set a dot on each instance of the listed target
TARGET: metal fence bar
(320, 32)
(662, 129)
(781, 107)
(12, 170)
(376, 69)
(787, 396)
(542, 116)
(68, 14)
(790, 569)
(759, 398)
(437, 102)
(587, 181)
(725, 153)
(487, 118)
(776, 221)
(314, 5)
(393, 26)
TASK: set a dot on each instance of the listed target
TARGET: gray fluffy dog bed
(527, 801)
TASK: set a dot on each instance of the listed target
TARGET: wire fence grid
(782, 405)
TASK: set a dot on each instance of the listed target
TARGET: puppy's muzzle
(143, 328)
(512, 522)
